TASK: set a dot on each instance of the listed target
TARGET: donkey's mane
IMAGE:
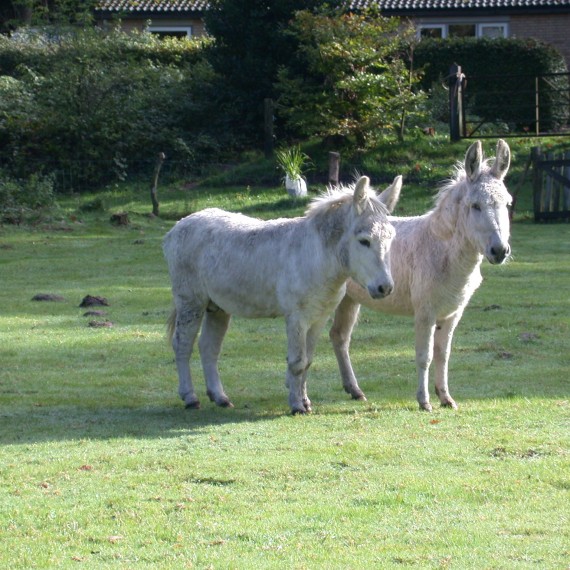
(459, 178)
(335, 197)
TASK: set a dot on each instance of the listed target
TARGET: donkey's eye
(476, 207)
(365, 242)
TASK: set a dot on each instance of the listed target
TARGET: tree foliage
(39, 13)
(250, 44)
(94, 99)
(358, 84)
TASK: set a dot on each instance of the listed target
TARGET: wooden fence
(551, 186)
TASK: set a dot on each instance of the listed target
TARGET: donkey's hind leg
(186, 326)
(345, 318)
(214, 328)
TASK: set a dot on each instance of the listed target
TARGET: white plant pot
(296, 187)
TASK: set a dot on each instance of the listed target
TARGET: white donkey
(224, 264)
(435, 261)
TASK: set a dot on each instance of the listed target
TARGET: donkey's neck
(331, 225)
(462, 256)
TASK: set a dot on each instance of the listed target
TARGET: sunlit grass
(100, 464)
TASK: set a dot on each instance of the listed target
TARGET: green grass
(102, 467)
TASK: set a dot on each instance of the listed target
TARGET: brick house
(163, 17)
(545, 20)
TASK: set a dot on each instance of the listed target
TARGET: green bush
(97, 106)
(20, 199)
(492, 92)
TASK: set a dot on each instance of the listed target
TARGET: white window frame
(479, 27)
(165, 29)
(483, 25)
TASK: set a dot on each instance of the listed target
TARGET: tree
(40, 13)
(250, 44)
(358, 85)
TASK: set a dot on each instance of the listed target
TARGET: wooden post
(557, 187)
(268, 110)
(456, 82)
(516, 191)
(154, 189)
(548, 188)
(334, 168)
(537, 182)
(566, 189)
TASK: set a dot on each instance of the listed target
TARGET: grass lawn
(102, 467)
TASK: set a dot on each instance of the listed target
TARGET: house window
(464, 30)
(171, 31)
(432, 31)
(492, 31)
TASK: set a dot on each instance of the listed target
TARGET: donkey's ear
(502, 160)
(390, 196)
(473, 160)
(361, 193)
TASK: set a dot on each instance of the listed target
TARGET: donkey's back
(238, 263)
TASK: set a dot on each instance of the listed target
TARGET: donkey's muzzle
(498, 253)
(380, 291)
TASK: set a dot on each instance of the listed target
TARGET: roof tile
(182, 6)
(152, 5)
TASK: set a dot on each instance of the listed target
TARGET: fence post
(334, 168)
(537, 182)
(566, 188)
(154, 188)
(456, 82)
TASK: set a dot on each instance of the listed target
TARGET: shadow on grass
(72, 423)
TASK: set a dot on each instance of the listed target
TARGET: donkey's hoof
(359, 396)
(426, 407)
(225, 403)
(300, 410)
(450, 403)
(192, 405)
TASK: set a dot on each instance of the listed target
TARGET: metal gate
(508, 105)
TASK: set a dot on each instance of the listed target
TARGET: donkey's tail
(170, 325)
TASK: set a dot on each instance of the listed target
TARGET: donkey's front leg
(442, 349)
(340, 334)
(297, 363)
(313, 335)
(214, 329)
(186, 327)
(424, 327)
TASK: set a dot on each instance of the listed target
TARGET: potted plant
(292, 161)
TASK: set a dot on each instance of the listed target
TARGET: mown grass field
(102, 467)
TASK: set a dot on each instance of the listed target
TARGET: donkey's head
(476, 203)
(368, 241)
(488, 201)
